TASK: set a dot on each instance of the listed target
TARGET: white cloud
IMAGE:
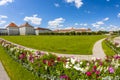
(56, 23)
(106, 19)
(34, 19)
(113, 28)
(108, 0)
(1, 19)
(85, 24)
(56, 5)
(76, 24)
(3, 2)
(2, 22)
(99, 23)
(118, 15)
(3, 16)
(78, 3)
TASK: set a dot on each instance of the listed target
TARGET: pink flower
(111, 70)
(31, 58)
(44, 61)
(97, 72)
(22, 56)
(65, 77)
(88, 73)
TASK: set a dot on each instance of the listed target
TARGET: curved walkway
(3, 74)
(98, 51)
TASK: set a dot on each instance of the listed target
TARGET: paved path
(3, 74)
(98, 50)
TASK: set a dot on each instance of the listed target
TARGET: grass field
(108, 51)
(59, 44)
(15, 70)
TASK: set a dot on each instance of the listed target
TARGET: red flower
(52, 60)
(94, 67)
(49, 63)
(88, 73)
(58, 59)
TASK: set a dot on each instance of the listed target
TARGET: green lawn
(59, 44)
(15, 70)
(108, 51)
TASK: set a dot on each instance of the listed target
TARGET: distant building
(41, 30)
(12, 29)
(73, 30)
(26, 29)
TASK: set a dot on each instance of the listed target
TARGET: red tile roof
(12, 25)
(26, 25)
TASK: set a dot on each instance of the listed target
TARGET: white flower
(67, 66)
(11, 49)
(81, 62)
(73, 60)
(88, 64)
(77, 67)
(93, 58)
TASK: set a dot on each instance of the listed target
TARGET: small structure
(41, 30)
(26, 29)
(12, 29)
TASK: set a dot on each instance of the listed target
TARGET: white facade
(13, 30)
(27, 31)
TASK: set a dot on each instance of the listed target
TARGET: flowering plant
(50, 66)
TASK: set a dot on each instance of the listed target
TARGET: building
(12, 29)
(41, 30)
(26, 29)
(3, 32)
(73, 30)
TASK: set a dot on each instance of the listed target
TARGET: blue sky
(60, 14)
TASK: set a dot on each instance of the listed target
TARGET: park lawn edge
(108, 51)
(15, 70)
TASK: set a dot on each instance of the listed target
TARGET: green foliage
(108, 51)
(59, 44)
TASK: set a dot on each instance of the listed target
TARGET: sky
(62, 14)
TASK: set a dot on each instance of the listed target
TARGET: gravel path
(3, 74)
(98, 50)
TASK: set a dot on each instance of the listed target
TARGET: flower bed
(50, 66)
(115, 46)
